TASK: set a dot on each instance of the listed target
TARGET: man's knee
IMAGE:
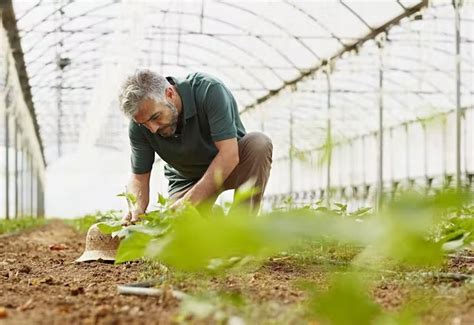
(259, 143)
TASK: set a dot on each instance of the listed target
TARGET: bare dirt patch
(41, 284)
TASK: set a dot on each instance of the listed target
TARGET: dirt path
(40, 285)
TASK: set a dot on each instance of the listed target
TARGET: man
(194, 126)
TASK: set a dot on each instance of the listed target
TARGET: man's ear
(170, 92)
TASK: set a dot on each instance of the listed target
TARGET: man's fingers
(135, 218)
(126, 219)
(176, 204)
(130, 219)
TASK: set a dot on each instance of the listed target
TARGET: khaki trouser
(255, 160)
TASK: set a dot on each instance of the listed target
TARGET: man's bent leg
(255, 161)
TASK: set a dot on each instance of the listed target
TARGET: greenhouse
(327, 175)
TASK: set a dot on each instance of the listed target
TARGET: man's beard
(172, 125)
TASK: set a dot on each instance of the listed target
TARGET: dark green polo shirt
(210, 114)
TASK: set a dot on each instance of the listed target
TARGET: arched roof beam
(207, 50)
(245, 32)
(274, 24)
(338, 54)
(217, 54)
(316, 21)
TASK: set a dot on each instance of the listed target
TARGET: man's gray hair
(142, 85)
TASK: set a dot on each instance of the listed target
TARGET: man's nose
(153, 127)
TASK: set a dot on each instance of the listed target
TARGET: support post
(27, 182)
(457, 21)
(41, 198)
(32, 173)
(23, 179)
(16, 170)
(329, 141)
(290, 154)
(392, 156)
(59, 107)
(352, 162)
(379, 196)
(443, 151)
(7, 166)
(364, 170)
(425, 156)
(407, 156)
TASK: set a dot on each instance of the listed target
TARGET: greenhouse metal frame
(359, 103)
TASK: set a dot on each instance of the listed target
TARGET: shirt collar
(186, 94)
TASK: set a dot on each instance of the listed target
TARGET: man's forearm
(141, 192)
(219, 169)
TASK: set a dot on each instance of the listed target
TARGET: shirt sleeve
(220, 113)
(142, 154)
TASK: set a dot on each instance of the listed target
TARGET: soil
(41, 284)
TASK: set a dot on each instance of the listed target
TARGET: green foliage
(189, 239)
(345, 302)
(161, 200)
(83, 224)
(360, 213)
(411, 230)
(243, 194)
(404, 238)
(109, 227)
(457, 232)
(299, 154)
(327, 148)
(409, 222)
(12, 225)
(133, 247)
(129, 197)
(194, 242)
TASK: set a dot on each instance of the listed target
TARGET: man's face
(158, 118)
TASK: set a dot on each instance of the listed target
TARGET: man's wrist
(138, 212)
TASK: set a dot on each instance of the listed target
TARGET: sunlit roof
(271, 54)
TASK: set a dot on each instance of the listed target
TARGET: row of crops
(413, 236)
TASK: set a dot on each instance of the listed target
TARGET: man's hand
(139, 185)
(131, 218)
(177, 204)
(220, 168)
